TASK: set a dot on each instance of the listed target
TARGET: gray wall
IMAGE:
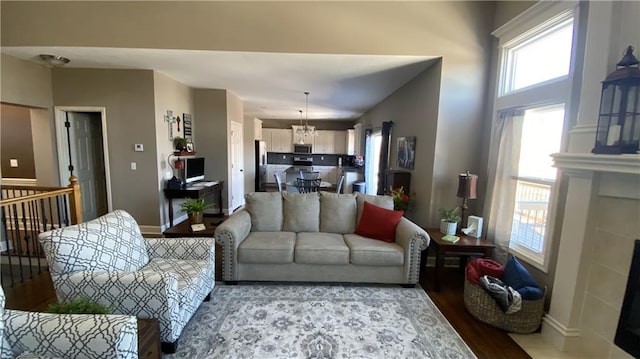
(128, 96)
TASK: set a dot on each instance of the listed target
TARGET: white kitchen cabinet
(351, 142)
(327, 173)
(358, 135)
(281, 140)
(277, 140)
(340, 142)
(272, 169)
(257, 129)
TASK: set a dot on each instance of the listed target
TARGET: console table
(194, 191)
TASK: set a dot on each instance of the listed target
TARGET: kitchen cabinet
(350, 177)
(358, 135)
(330, 142)
(272, 169)
(257, 129)
(277, 140)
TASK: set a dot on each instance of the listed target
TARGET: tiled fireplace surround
(601, 222)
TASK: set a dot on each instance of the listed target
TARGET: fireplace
(628, 332)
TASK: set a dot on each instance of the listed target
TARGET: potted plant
(180, 143)
(449, 220)
(194, 208)
(78, 306)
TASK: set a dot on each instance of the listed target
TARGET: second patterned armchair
(108, 261)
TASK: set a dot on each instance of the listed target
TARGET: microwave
(301, 148)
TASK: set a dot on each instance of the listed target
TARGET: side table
(463, 248)
(148, 338)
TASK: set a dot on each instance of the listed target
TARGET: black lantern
(619, 119)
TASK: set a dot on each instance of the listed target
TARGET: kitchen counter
(353, 169)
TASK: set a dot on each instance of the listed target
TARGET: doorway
(83, 152)
(237, 170)
(373, 146)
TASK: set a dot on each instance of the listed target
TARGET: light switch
(133, 166)
(138, 147)
(13, 162)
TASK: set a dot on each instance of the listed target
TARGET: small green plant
(450, 215)
(194, 205)
(79, 306)
(180, 143)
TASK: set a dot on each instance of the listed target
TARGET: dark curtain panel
(384, 154)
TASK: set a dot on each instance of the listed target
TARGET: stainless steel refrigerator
(261, 166)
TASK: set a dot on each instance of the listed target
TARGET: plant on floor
(79, 306)
(194, 207)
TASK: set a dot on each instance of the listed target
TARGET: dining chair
(278, 181)
(309, 174)
(308, 185)
(339, 186)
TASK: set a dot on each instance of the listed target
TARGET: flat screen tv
(193, 169)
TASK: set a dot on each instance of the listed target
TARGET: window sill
(534, 259)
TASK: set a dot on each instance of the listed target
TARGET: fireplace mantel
(625, 163)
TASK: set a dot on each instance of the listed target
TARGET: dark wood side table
(465, 247)
(148, 338)
(194, 191)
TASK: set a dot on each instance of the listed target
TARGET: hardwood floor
(485, 341)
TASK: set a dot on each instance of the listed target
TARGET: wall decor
(170, 121)
(186, 125)
(406, 152)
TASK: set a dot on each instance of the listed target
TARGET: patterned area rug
(319, 321)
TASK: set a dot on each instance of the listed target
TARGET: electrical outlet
(134, 166)
(321, 158)
(138, 147)
(284, 157)
(13, 162)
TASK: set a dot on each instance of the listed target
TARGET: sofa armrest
(414, 240)
(229, 235)
(181, 248)
(76, 335)
(143, 294)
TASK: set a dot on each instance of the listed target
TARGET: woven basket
(484, 308)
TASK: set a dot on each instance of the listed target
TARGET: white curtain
(504, 154)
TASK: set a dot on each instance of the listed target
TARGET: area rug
(319, 321)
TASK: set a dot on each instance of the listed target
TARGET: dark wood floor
(485, 341)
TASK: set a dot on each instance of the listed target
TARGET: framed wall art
(406, 152)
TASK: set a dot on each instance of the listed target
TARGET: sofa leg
(408, 285)
(231, 282)
(207, 298)
(169, 348)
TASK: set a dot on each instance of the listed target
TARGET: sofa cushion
(267, 247)
(321, 248)
(301, 212)
(379, 223)
(338, 212)
(265, 209)
(380, 201)
(367, 251)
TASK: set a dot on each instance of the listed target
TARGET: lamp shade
(467, 184)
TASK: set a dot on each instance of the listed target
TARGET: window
(534, 77)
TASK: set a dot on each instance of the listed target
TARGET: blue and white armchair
(46, 335)
(108, 261)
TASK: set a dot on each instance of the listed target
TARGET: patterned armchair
(35, 335)
(109, 261)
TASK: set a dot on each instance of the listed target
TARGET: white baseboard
(563, 338)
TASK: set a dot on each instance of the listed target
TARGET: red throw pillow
(483, 266)
(378, 223)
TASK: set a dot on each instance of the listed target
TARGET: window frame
(522, 29)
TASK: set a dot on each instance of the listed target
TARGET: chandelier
(306, 130)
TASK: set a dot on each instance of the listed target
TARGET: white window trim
(538, 18)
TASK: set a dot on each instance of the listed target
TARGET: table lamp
(467, 184)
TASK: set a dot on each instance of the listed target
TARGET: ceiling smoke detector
(55, 61)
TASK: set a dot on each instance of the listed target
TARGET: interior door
(237, 169)
(88, 161)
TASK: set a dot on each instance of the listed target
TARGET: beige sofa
(310, 237)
